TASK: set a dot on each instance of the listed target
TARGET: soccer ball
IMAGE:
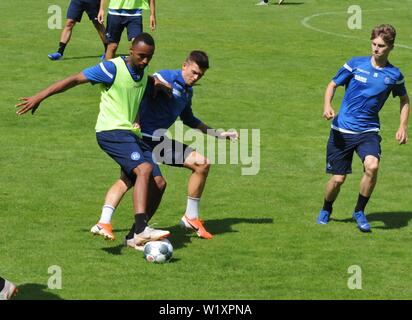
(158, 251)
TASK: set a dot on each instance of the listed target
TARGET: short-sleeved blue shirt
(367, 89)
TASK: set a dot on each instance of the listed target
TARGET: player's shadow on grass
(81, 58)
(35, 291)
(287, 3)
(181, 236)
(391, 220)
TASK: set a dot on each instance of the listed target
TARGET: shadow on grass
(391, 220)
(81, 58)
(181, 236)
(34, 291)
(287, 3)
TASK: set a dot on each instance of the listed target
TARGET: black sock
(2, 283)
(140, 220)
(130, 235)
(327, 205)
(362, 202)
(62, 46)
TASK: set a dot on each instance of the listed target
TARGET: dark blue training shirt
(161, 113)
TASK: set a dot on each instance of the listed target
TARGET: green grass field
(268, 72)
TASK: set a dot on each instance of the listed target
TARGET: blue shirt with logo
(367, 89)
(162, 112)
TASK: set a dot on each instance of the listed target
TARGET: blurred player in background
(125, 14)
(74, 14)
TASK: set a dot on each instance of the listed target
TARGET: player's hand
(162, 88)
(152, 22)
(136, 130)
(232, 135)
(28, 104)
(328, 113)
(100, 16)
(402, 136)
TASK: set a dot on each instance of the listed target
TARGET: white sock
(107, 213)
(192, 209)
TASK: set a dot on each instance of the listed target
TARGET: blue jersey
(105, 72)
(367, 88)
(162, 112)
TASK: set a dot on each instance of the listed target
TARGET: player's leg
(200, 166)
(143, 233)
(369, 151)
(339, 155)
(7, 289)
(92, 11)
(115, 26)
(74, 14)
(124, 147)
(113, 197)
(134, 27)
(156, 190)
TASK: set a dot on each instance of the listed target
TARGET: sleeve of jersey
(188, 118)
(344, 74)
(399, 88)
(104, 72)
(164, 76)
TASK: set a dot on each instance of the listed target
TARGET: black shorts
(77, 7)
(341, 146)
(116, 25)
(168, 151)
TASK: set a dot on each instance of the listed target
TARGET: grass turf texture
(268, 72)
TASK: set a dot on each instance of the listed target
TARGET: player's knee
(112, 46)
(143, 170)
(372, 167)
(70, 24)
(160, 183)
(338, 180)
(203, 167)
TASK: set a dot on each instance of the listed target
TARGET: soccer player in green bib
(122, 83)
(125, 14)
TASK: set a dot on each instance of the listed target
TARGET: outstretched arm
(328, 112)
(232, 135)
(402, 133)
(32, 103)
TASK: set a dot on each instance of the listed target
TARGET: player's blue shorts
(77, 7)
(124, 147)
(116, 25)
(341, 146)
(168, 151)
